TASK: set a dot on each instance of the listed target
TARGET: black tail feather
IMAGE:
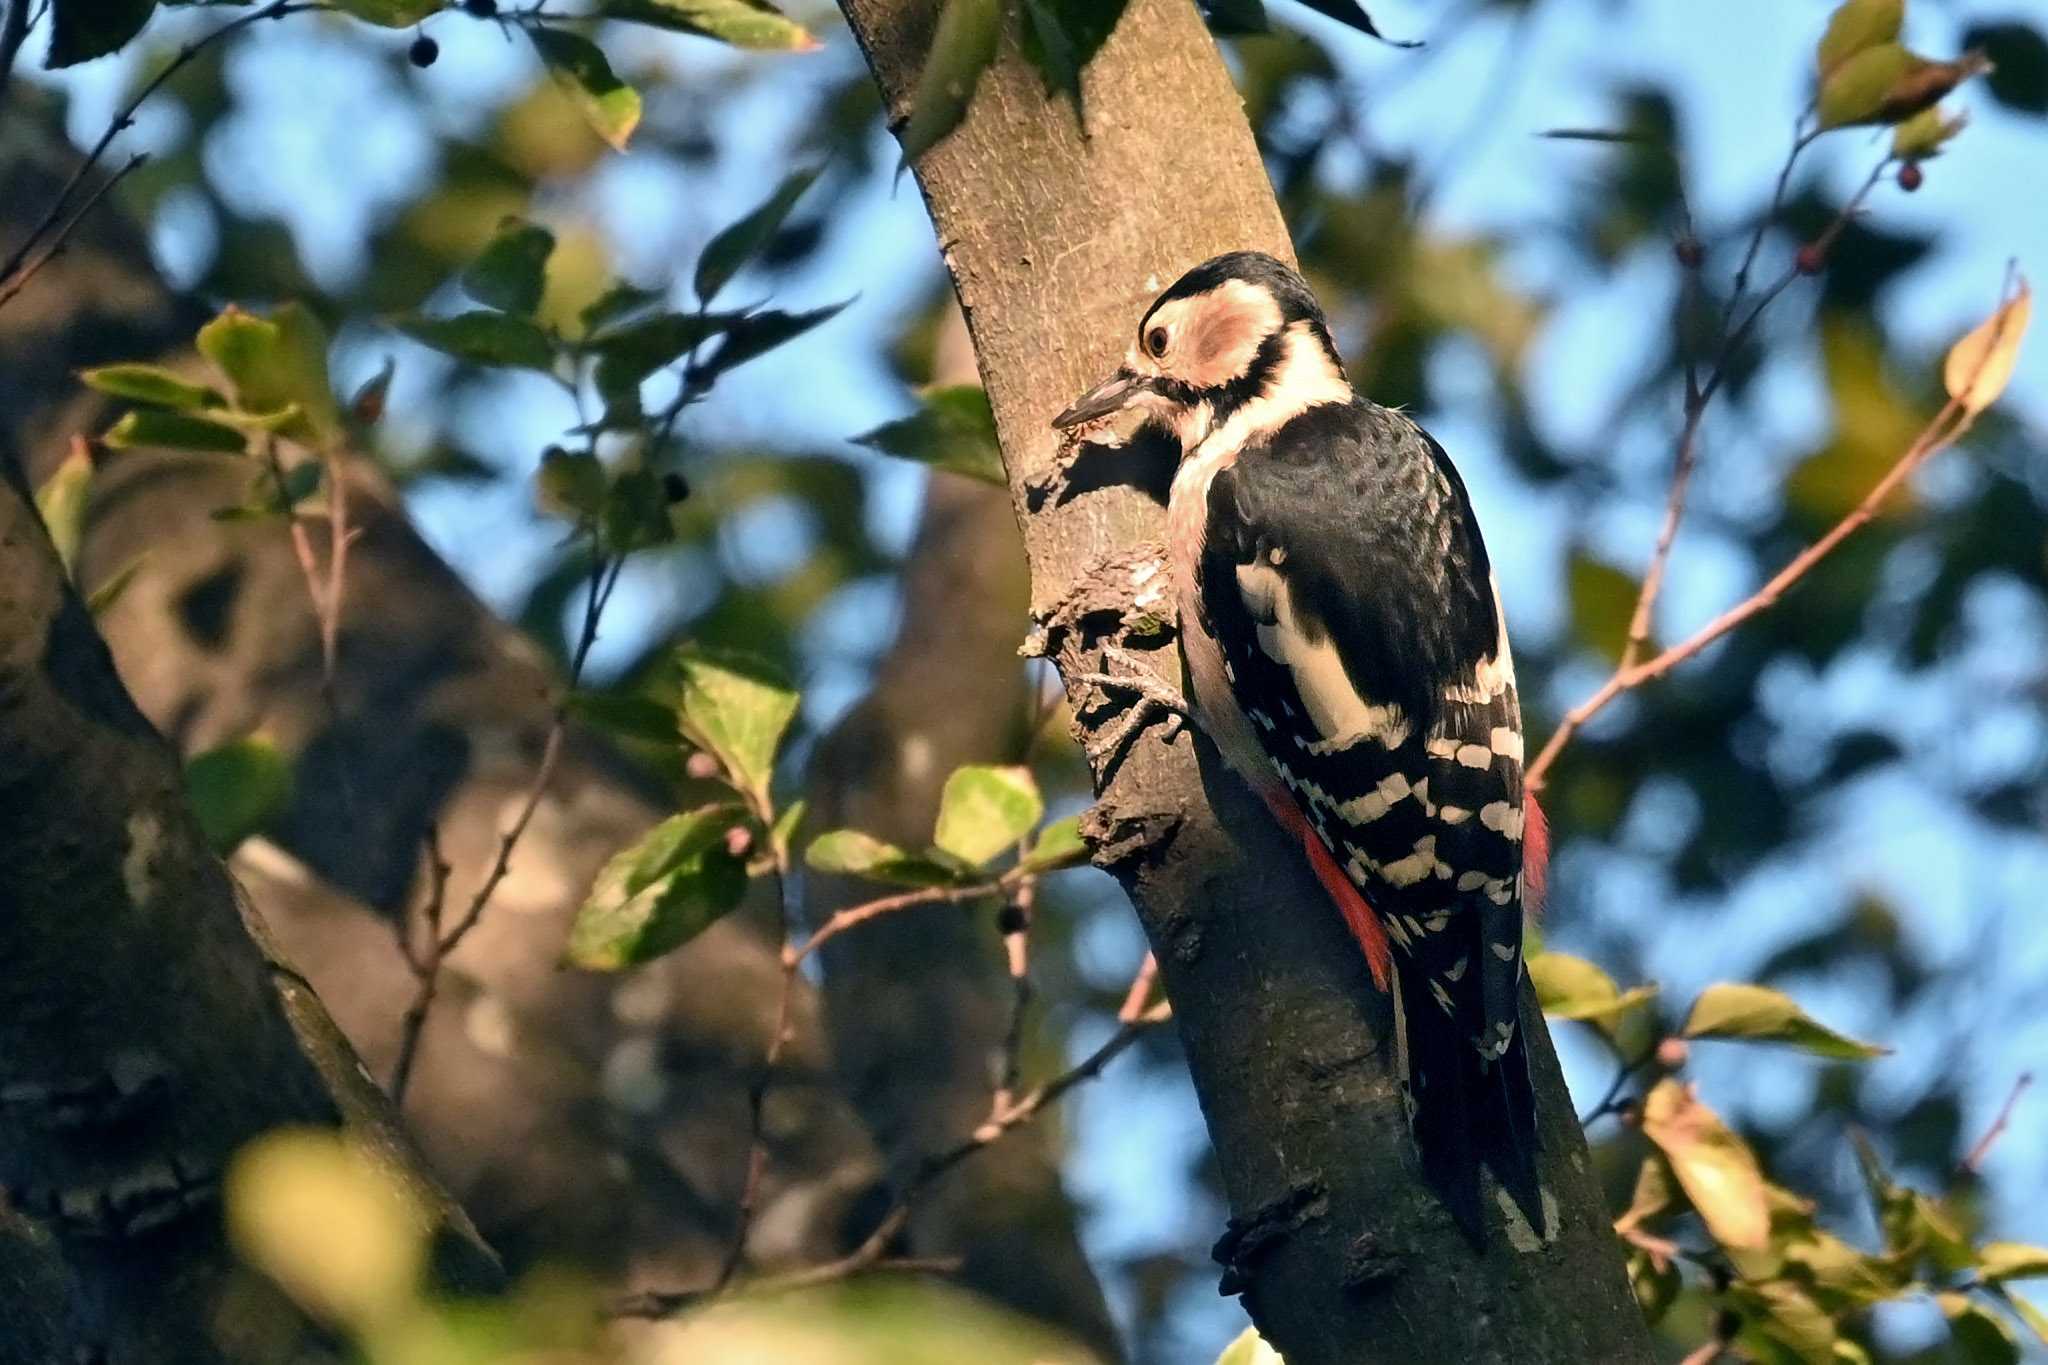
(1466, 1110)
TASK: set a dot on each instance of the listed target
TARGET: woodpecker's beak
(1105, 398)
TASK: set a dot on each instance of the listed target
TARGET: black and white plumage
(1347, 653)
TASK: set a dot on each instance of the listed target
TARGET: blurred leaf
(736, 706)
(151, 384)
(743, 23)
(1980, 1335)
(277, 363)
(1739, 1010)
(1062, 36)
(736, 245)
(1656, 1193)
(1656, 1283)
(1874, 426)
(154, 429)
(850, 853)
(570, 484)
(2034, 1318)
(621, 301)
(758, 333)
(511, 273)
(963, 46)
(1603, 603)
(954, 430)
(1249, 1348)
(238, 789)
(1058, 845)
(1980, 365)
(1856, 88)
(2019, 63)
(103, 597)
(1572, 988)
(2011, 1261)
(483, 338)
(984, 810)
(366, 405)
(1352, 12)
(365, 1264)
(628, 355)
(1922, 136)
(81, 30)
(1855, 26)
(1914, 1226)
(1714, 1167)
(62, 501)
(782, 834)
(608, 104)
(1783, 1314)
(390, 13)
(660, 893)
(1925, 84)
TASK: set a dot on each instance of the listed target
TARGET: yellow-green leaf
(1922, 136)
(157, 429)
(954, 430)
(570, 483)
(276, 363)
(1980, 1336)
(1249, 1348)
(752, 24)
(1058, 845)
(1980, 365)
(238, 789)
(390, 13)
(2024, 1310)
(963, 46)
(1856, 89)
(1572, 988)
(151, 384)
(103, 597)
(1856, 25)
(1603, 604)
(510, 274)
(607, 103)
(62, 501)
(985, 810)
(482, 337)
(1785, 1316)
(1655, 1194)
(2011, 1261)
(738, 707)
(850, 853)
(660, 893)
(1738, 1010)
(1714, 1167)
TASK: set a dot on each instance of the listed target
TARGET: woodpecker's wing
(1345, 580)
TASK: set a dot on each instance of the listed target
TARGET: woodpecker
(1347, 653)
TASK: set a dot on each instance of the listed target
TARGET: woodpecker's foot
(1154, 700)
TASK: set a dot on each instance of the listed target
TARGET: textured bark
(1055, 240)
(148, 1027)
(918, 1004)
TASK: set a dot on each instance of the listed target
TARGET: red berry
(423, 51)
(1671, 1053)
(1689, 252)
(701, 766)
(1911, 177)
(739, 840)
(1811, 258)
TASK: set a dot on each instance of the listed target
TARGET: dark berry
(1811, 258)
(482, 9)
(1689, 252)
(675, 487)
(1911, 177)
(423, 51)
(1011, 919)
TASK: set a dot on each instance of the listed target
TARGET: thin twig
(1017, 954)
(12, 284)
(1974, 1162)
(1611, 1102)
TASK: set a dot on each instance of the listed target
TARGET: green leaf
(1855, 26)
(81, 30)
(276, 363)
(963, 46)
(660, 893)
(1249, 1348)
(1656, 1285)
(238, 789)
(390, 13)
(736, 245)
(1979, 1335)
(1656, 1193)
(954, 430)
(1603, 604)
(483, 338)
(737, 706)
(1998, 1261)
(1714, 1167)
(62, 500)
(1058, 845)
(1923, 135)
(743, 23)
(758, 333)
(635, 513)
(607, 103)
(511, 273)
(1783, 1314)
(1757, 1013)
(1857, 88)
(570, 484)
(152, 429)
(1572, 988)
(102, 598)
(984, 810)
(1062, 36)
(626, 357)
(616, 304)
(850, 853)
(151, 384)
(782, 834)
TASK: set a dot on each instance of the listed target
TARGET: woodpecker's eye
(1155, 342)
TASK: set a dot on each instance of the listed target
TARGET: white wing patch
(1340, 715)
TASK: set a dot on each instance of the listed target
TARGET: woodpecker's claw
(1154, 700)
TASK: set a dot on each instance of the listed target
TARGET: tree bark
(148, 1027)
(918, 1005)
(1055, 240)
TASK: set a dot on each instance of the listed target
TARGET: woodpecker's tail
(1466, 1109)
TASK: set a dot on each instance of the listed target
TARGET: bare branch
(1974, 1162)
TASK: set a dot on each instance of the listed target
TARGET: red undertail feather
(1535, 857)
(1358, 916)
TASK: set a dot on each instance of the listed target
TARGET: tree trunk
(1055, 241)
(148, 1029)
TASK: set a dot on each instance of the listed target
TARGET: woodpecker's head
(1235, 337)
